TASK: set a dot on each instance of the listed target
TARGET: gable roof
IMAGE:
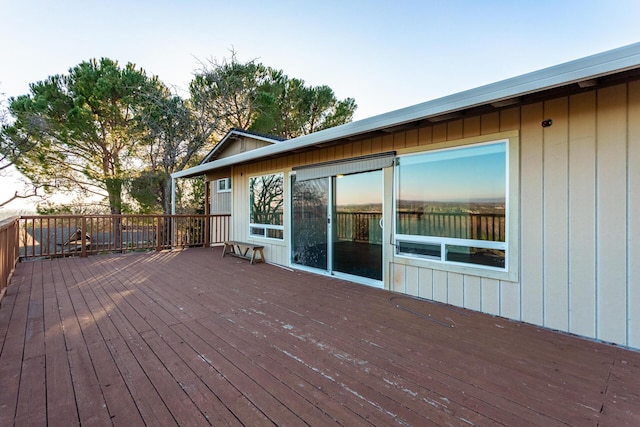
(233, 134)
(570, 76)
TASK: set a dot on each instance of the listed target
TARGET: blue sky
(385, 54)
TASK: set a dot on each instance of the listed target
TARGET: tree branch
(17, 195)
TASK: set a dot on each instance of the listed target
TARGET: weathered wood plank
(188, 338)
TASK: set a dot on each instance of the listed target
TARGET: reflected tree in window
(266, 199)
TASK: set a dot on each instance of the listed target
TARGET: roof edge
(593, 66)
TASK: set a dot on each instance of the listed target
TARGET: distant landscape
(418, 206)
(478, 207)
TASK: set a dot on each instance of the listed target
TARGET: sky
(385, 54)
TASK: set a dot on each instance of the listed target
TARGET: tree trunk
(114, 189)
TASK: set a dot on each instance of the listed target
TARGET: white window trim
(266, 227)
(511, 243)
(227, 185)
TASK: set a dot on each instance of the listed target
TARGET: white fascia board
(613, 61)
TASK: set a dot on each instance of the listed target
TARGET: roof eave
(602, 64)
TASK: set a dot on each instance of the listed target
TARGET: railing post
(159, 221)
(83, 237)
(207, 230)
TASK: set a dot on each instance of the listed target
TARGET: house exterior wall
(578, 207)
(220, 202)
(243, 144)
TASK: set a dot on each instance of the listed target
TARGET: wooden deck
(191, 338)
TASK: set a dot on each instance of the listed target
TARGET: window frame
(265, 229)
(510, 272)
(227, 185)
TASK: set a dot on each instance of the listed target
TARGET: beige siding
(611, 236)
(472, 293)
(412, 283)
(490, 290)
(220, 202)
(582, 214)
(579, 217)
(455, 289)
(578, 210)
(510, 300)
(240, 146)
(426, 283)
(531, 217)
(555, 222)
(398, 276)
(633, 168)
(440, 285)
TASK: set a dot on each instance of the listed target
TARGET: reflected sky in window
(474, 174)
(359, 189)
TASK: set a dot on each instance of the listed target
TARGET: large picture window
(451, 205)
(266, 203)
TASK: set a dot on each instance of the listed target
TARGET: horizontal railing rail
(9, 251)
(365, 226)
(460, 225)
(65, 235)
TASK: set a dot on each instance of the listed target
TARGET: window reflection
(309, 222)
(453, 195)
(266, 206)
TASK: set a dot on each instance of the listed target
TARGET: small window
(451, 205)
(266, 202)
(224, 185)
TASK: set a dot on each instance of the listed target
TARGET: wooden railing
(8, 251)
(364, 226)
(359, 226)
(55, 236)
(460, 225)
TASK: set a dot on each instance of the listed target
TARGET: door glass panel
(309, 222)
(357, 225)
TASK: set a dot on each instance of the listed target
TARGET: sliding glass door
(337, 225)
(309, 208)
(357, 230)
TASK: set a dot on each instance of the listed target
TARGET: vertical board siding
(471, 127)
(490, 123)
(510, 300)
(531, 215)
(399, 282)
(490, 290)
(425, 276)
(612, 213)
(633, 168)
(455, 291)
(559, 167)
(556, 212)
(579, 220)
(440, 285)
(454, 130)
(411, 278)
(472, 293)
(582, 214)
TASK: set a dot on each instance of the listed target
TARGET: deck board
(191, 338)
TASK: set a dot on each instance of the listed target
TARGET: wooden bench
(241, 250)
